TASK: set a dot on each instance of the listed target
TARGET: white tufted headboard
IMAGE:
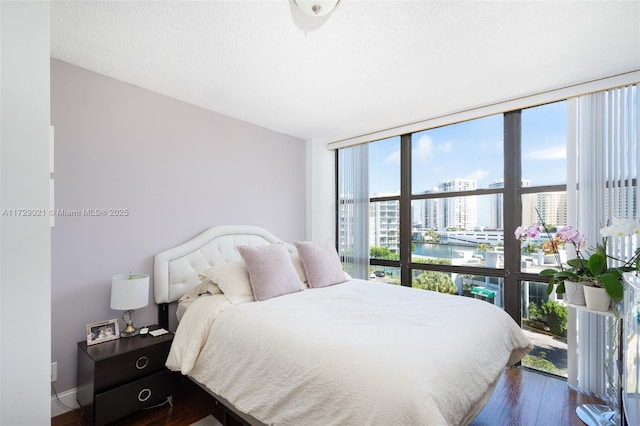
(176, 269)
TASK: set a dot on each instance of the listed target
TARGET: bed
(350, 352)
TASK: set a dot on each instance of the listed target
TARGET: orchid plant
(589, 266)
(564, 234)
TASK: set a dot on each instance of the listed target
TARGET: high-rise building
(384, 224)
(457, 212)
(430, 220)
(552, 207)
(496, 218)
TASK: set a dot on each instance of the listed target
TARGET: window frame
(511, 191)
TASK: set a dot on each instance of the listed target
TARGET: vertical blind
(607, 166)
(353, 205)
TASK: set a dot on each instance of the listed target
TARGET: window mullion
(405, 210)
(512, 211)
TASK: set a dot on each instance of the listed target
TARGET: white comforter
(351, 354)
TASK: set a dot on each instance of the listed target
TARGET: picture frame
(103, 331)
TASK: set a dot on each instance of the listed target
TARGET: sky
(473, 150)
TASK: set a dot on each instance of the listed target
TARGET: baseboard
(67, 398)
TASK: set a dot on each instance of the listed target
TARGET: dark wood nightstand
(119, 377)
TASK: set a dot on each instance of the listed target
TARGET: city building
(384, 224)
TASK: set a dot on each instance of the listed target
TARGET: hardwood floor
(521, 398)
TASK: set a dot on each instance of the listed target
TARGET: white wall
(321, 192)
(25, 292)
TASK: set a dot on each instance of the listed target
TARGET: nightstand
(119, 377)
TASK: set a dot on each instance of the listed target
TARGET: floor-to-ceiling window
(542, 197)
(443, 206)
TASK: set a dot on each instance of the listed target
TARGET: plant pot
(596, 298)
(574, 293)
(492, 258)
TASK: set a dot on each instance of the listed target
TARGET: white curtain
(353, 209)
(606, 139)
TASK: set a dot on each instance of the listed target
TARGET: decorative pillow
(271, 272)
(321, 263)
(233, 280)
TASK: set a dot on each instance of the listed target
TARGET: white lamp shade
(129, 291)
(316, 7)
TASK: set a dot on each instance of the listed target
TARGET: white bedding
(351, 354)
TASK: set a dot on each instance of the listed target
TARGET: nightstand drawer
(126, 399)
(121, 369)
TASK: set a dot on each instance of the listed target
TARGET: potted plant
(565, 275)
(602, 284)
(599, 274)
(589, 268)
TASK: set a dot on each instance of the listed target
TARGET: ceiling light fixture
(316, 7)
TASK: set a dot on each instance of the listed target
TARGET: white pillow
(233, 280)
(271, 271)
(321, 263)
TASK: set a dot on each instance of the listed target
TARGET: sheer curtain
(606, 140)
(353, 213)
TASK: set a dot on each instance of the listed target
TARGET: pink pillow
(271, 271)
(321, 263)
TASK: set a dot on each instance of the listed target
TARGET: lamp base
(124, 333)
(129, 330)
(596, 415)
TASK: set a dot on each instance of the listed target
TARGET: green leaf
(597, 263)
(616, 272)
(567, 275)
(613, 285)
(578, 263)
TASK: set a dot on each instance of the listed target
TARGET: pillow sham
(321, 263)
(233, 280)
(271, 271)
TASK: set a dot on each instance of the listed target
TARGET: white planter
(492, 258)
(574, 293)
(563, 255)
(596, 298)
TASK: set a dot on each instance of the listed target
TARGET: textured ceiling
(368, 66)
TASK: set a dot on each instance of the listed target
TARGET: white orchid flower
(621, 228)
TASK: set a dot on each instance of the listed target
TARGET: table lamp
(129, 292)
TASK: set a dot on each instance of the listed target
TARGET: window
(444, 202)
(460, 157)
(543, 195)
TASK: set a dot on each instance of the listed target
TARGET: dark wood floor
(521, 398)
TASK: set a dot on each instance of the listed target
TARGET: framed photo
(104, 331)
